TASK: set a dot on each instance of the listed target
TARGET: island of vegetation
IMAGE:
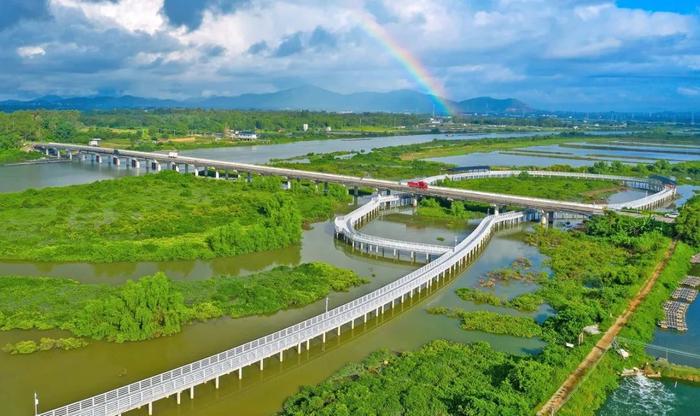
(562, 189)
(160, 217)
(155, 306)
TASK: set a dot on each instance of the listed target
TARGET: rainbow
(412, 65)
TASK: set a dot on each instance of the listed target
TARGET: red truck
(418, 184)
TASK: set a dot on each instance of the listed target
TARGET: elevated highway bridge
(155, 161)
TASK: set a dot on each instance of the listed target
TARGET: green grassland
(542, 187)
(159, 217)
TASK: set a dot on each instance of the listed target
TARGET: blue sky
(587, 55)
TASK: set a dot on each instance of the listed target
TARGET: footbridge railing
(662, 192)
(174, 382)
(345, 228)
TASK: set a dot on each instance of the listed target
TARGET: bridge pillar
(135, 163)
(155, 165)
(196, 171)
(83, 157)
(261, 364)
(308, 343)
(191, 392)
(495, 209)
(299, 348)
(216, 174)
(47, 151)
(287, 185)
(178, 397)
(338, 330)
(150, 409)
(325, 188)
(98, 158)
(240, 373)
(354, 194)
(116, 161)
(174, 166)
(281, 356)
(324, 338)
(70, 155)
(216, 382)
(250, 177)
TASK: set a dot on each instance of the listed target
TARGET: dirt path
(564, 391)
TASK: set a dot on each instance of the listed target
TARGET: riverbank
(604, 378)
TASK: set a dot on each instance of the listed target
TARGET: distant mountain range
(301, 98)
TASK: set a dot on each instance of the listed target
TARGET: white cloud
(689, 91)
(132, 15)
(30, 51)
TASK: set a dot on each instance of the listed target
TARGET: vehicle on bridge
(418, 184)
(172, 154)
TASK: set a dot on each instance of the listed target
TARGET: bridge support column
(299, 348)
(216, 174)
(174, 166)
(196, 171)
(192, 393)
(155, 165)
(135, 163)
(47, 152)
(338, 330)
(281, 356)
(177, 395)
(324, 338)
(150, 409)
(352, 324)
(70, 155)
(354, 194)
(216, 382)
(116, 161)
(261, 364)
(240, 373)
(325, 188)
(98, 158)
(308, 343)
(287, 185)
(250, 177)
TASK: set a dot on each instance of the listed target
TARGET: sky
(583, 55)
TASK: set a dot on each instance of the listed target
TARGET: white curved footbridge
(185, 378)
(345, 228)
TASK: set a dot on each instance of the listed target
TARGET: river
(64, 376)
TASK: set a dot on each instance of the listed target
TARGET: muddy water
(62, 377)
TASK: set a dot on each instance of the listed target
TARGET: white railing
(345, 226)
(147, 391)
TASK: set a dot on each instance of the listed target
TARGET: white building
(247, 135)
(94, 142)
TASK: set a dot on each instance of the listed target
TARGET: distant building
(247, 135)
(94, 142)
(305, 127)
